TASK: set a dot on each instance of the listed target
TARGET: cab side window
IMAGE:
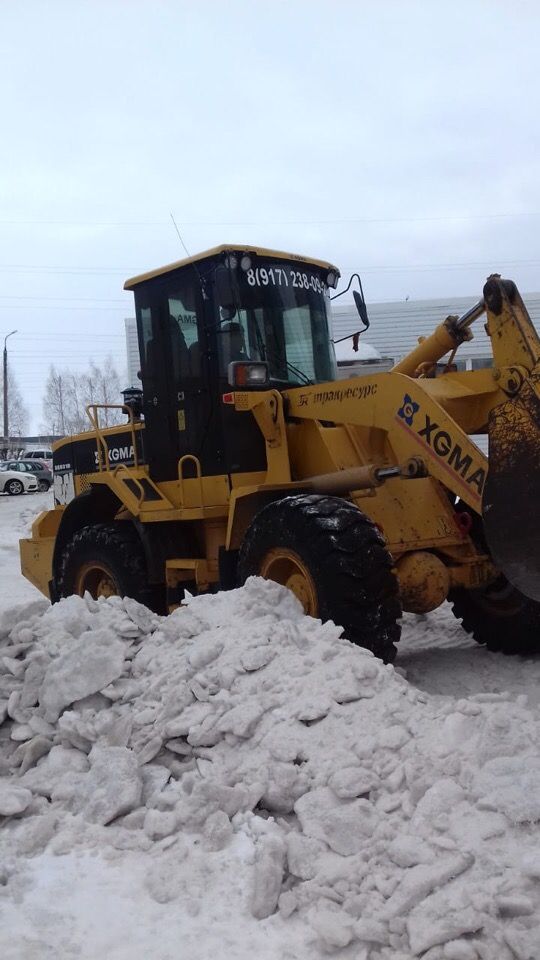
(184, 322)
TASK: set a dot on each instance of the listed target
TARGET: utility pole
(6, 414)
(61, 405)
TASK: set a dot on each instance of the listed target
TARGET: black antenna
(180, 236)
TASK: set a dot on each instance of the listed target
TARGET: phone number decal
(281, 277)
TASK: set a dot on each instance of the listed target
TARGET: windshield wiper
(299, 373)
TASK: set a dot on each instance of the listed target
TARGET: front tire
(334, 560)
(14, 488)
(499, 617)
(105, 560)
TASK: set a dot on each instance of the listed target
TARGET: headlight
(246, 374)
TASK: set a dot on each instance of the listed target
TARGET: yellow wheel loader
(242, 454)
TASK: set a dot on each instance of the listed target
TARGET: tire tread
(348, 560)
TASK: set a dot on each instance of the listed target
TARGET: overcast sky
(399, 139)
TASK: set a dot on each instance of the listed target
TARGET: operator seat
(233, 343)
(179, 350)
(195, 359)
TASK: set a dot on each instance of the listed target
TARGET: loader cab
(195, 318)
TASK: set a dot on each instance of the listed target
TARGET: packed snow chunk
(217, 831)
(426, 929)
(343, 825)
(303, 854)
(459, 950)
(352, 782)
(159, 824)
(34, 833)
(58, 769)
(440, 798)
(113, 785)
(13, 799)
(409, 851)
(523, 943)
(511, 785)
(394, 737)
(530, 864)
(269, 863)
(419, 881)
(88, 666)
(242, 719)
(514, 906)
(334, 928)
(30, 752)
(371, 931)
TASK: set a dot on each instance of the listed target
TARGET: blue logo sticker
(408, 410)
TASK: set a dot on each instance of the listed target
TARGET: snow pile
(386, 823)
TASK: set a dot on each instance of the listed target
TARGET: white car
(14, 482)
(44, 455)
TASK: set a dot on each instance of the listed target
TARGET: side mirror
(361, 307)
(224, 287)
(358, 299)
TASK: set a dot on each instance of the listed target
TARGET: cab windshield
(280, 314)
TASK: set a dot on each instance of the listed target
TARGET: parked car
(15, 482)
(39, 468)
(43, 454)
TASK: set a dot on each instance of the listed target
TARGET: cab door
(170, 322)
(182, 308)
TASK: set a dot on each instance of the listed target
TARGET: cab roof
(224, 248)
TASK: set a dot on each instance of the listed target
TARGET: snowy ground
(237, 781)
(16, 516)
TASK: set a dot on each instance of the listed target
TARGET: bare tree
(67, 395)
(54, 403)
(102, 385)
(17, 411)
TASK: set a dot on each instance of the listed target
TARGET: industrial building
(395, 327)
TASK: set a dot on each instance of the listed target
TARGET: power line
(494, 261)
(91, 337)
(22, 306)
(233, 223)
(7, 296)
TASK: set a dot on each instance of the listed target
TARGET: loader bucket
(511, 503)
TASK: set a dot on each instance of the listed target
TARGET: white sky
(399, 139)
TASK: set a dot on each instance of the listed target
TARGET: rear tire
(14, 488)
(43, 486)
(336, 562)
(499, 617)
(105, 560)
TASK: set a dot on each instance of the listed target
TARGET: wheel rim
(286, 567)
(15, 487)
(43, 486)
(96, 579)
